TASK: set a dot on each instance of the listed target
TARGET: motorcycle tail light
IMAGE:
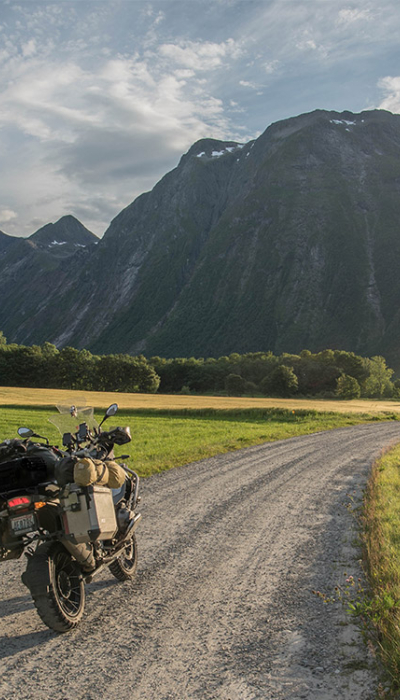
(19, 501)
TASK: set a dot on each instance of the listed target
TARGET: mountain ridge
(5, 241)
(286, 242)
(66, 231)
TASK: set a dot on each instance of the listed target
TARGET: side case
(88, 514)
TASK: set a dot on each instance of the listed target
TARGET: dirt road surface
(222, 606)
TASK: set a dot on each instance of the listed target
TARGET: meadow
(16, 396)
(170, 431)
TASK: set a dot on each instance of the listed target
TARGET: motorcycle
(68, 532)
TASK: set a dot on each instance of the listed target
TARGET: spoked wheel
(60, 604)
(124, 568)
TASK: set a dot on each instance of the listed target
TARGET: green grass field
(163, 439)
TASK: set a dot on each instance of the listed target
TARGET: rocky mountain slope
(291, 241)
(63, 237)
(5, 241)
(29, 274)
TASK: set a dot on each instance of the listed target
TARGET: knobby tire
(60, 604)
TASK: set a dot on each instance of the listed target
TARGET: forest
(326, 374)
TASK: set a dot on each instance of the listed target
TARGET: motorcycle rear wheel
(60, 605)
(124, 567)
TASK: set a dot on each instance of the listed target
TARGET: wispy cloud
(391, 88)
(349, 16)
(99, 99)
(271, 66)
(121, 120)
(7, 215)
(201, 56)
(310, 43)
(248, 84)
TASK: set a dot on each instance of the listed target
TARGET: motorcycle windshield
(70, 417)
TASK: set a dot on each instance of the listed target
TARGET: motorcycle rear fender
(37, 575)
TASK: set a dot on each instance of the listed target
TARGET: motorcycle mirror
(111, 410)
(25, 432)
(28, 433)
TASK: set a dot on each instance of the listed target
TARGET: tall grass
(382, 548)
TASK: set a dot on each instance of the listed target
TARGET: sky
(100, 98)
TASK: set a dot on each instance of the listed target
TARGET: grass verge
(382, 549)
(162, 439)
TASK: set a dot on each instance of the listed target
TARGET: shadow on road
(17, 644)
(16, 605)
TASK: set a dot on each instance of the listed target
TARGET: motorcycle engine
(124, 516)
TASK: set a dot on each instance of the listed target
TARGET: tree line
(327, 374)
(45, 366)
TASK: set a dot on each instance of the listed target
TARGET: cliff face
(5, 241)
(33, 273)
(288, 242)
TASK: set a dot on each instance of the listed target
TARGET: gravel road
(230, 550)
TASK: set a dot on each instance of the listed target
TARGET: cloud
(121, 157)
(59, 101)
(310, 45)
(391, 86)
(271, 66)
(114, 125)
(100, 99)
(349, 16)
(29, 49)
(307, 44)
(200, 56)
(246, 83)
(7, 215)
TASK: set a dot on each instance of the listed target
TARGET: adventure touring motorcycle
(71, 511)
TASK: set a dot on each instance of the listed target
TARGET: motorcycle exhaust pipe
(132, 525)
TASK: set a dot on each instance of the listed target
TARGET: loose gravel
(222, 607)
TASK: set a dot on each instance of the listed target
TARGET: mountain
(30, 270)
(290, 241)
(5, 241)
(63, 237)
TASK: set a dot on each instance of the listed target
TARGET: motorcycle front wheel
(124, 567)
(60, 604)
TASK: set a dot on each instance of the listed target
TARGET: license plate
(25, 523)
